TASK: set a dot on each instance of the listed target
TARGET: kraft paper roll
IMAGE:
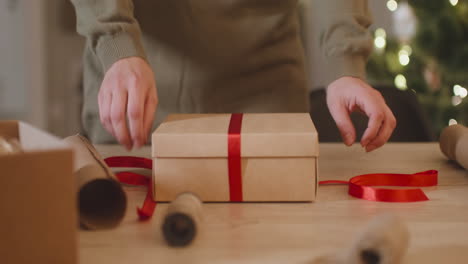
(454, 144)
(102, 201)
(383, 240)
(182, 220)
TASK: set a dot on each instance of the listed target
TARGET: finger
(386, 130)
(104, 101)
(341, 116)
(136, 102)
(150, 109)
(119, 122)
(376, 118)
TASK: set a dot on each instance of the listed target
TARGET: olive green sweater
(218, 56)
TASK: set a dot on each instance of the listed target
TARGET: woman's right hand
(128, 91)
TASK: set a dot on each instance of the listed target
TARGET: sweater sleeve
(344, 38)
(111, 30)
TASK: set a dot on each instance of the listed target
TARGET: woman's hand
(128, 91)
(349, 94)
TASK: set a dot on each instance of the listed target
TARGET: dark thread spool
(182, 220)
(179, 229)
(383, 240)
(370, 256)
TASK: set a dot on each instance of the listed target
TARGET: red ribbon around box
(360, 186)
(234, 158)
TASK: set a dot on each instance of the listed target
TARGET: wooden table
(298, 232)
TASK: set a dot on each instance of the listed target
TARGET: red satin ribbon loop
(149, 205)
(360, 186)
(234, 158)
(129, 162)
(132, 178)
(147, 210)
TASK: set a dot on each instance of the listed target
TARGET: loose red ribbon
(234, 158)
(361, 186)
(147, 210)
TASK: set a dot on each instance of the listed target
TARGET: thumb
(341, 116)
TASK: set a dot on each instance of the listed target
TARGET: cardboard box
(279, 154)
(38, 221)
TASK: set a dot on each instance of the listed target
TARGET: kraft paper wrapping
(191, 153)
(102, 201)
(454, 144)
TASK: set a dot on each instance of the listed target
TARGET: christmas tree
(428, 56)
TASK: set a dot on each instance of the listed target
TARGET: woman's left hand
(348, 94)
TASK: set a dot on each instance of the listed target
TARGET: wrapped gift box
(37, 200)
(236, 157)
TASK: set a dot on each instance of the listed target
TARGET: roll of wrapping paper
(384, 240)
(101, 199)
(454, 144)
(182, 220)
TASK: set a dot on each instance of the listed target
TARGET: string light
(460, 91)
(408, 49)
(403, 57)
(400, 82)
(456, 100)
(453, 2)
(379, 41)
(392, 5)
(452, 122)
(380, 32)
